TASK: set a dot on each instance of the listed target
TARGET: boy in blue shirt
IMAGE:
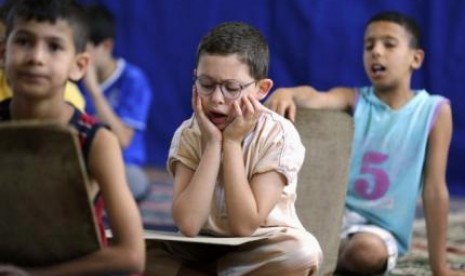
(400, 149)
(119, 94)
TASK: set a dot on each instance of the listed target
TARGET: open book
(178, 237)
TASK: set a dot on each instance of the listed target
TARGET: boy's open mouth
(377, 69)
(217, 118)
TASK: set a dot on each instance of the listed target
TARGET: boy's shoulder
(274, 118)
(130, 70)
(188, 128)
(271, 123)
(420, 99)
(131, 77)
(85, 123)
(429, 95)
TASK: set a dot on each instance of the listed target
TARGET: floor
(163, 182)
(156, 215)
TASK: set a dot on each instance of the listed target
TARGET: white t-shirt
(274, 144)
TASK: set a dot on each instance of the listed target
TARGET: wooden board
(46, 214)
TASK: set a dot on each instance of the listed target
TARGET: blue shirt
(388, 156)
(129, 94)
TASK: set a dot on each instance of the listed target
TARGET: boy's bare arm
(285, 101)
(127, 252)
(193, 190)
(248, 203)
(435, 193)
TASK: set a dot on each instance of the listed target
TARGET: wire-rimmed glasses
(230, 88)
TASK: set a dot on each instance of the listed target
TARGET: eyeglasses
(231, 89)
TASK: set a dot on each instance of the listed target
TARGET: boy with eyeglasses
(235, 166)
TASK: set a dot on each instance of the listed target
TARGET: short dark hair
(51, 11)
(403, 20)
(241, 39)
(101, 23)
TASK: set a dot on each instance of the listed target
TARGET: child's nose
(217, 94)
(36, 54)
(377, 49)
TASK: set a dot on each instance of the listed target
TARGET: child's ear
(79, 67)
(108, 45)
(418, 57)
(264, 86)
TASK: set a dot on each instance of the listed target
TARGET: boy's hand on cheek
(90, 79)
(244, 117)
(210, 133)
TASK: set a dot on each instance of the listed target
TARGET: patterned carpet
(156, 207)
(155, 210)
(416, 261)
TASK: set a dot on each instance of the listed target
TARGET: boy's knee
(294, 252)
(363, 254)
(304, 250)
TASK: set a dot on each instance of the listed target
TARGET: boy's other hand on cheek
(244, 117)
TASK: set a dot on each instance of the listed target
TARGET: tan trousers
(286, 251)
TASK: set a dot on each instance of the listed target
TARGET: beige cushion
(327, 137)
